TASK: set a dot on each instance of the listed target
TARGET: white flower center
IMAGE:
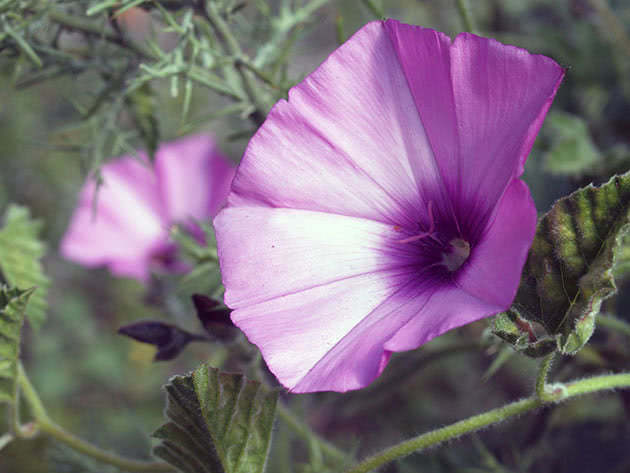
(460, 251)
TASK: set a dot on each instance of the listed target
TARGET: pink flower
(127, 227)
(381, 205)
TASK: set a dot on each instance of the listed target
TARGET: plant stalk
(45, 424)
(256, 96)
(466, 16)
(492, 417)
(543, 372)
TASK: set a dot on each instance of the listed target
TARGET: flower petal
(194, 178)
(505, 245)
(481, 103)
(502, 94)
(343, 141)
(125, 226)
(449, 307)
(294, 250)
(330, 337)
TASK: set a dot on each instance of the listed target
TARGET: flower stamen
(428, 233)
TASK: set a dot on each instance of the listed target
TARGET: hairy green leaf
(568, 272)
(20, 254)
(219, 423)
(13, 303)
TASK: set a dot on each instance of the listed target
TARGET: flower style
(126, 227)
(381, 205)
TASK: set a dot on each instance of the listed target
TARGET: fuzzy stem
(466, 16)
(494, 416)
(45, 424)
(613, 323)
(541, 379)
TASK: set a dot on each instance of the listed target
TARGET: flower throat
(453, 255)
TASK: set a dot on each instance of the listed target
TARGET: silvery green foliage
(132, 48)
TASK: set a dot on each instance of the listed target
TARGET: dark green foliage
(219, 423)
(20, 254)
(568, 272)
(13, 303)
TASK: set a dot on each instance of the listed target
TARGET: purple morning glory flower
(381, 205)
(128, 229)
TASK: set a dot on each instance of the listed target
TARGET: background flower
(125, 225)
(380, 206)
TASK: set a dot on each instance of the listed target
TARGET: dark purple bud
(214, 317)
(169, 339)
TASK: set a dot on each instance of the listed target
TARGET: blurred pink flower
(127, 227)
(381, 205)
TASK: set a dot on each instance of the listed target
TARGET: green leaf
(520, 333)
(573, 151)
(622, 262)
(13, 303)
(205, 278)
(20, 254)
(568, 272)
(219, 423)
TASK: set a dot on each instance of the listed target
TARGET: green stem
(597, 383)
(285, 24)
(35, 403)
(45, 424)
(304, 431)
(91, 28)
(541, 379)
(233, 48)
(494, 416)
(95, 452)
(466, 16)
(375, 8)
(613, 323)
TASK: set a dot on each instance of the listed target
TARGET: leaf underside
(20, 255)
(12, 306)
(568, 273)
(218, 423)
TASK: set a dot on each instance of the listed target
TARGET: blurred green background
(106, 388)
